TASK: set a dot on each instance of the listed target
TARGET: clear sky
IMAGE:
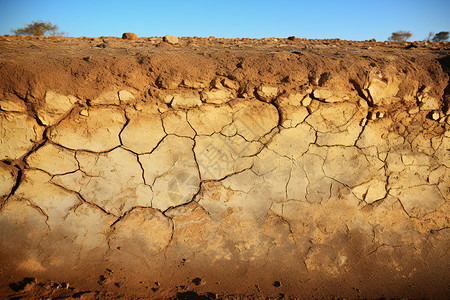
(344, 19)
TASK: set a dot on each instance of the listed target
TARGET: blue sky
(345, 19)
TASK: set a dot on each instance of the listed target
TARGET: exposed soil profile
(203, 168)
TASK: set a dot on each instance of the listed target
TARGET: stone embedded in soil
(125, 95)
(105, 98)
(429, 103)
(185, 101)
(383, 91)
(218, 96)
(267, 93)
(230, 84)
(322, 94)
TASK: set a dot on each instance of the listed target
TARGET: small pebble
(435, 115)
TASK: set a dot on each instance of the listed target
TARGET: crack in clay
(18, 180)
(127, 121)
(82, 199)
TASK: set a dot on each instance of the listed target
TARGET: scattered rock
(383, 91)
(218, 96)
(129, 36)
(372, 116)
(109, 97)
(186, 101)
(194, 84)
(327, 96)
(125, 96)
(380, 115)
(170, 39)
(230, 84)
(413, 111)
(435, 115)
(267, 93)
(322, 94)
(429, 103)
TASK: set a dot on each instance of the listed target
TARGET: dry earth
(215, 168)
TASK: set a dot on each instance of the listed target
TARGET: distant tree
(440, 36)
(429, 37)
(400, 36)
(38, 28)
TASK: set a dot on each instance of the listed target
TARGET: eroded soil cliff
(224, 168)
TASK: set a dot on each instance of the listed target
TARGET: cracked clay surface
(244, 168)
